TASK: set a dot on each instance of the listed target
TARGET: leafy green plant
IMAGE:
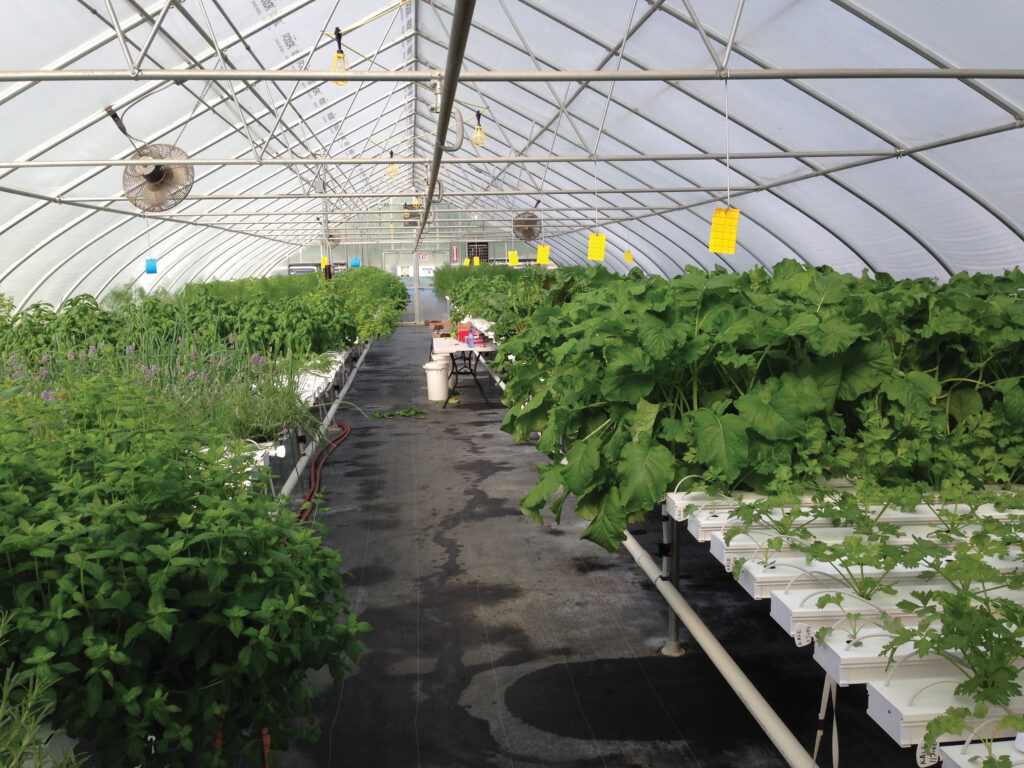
(766, 381)
(410, 411)
(160, 591)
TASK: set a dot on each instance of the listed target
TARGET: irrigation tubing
(316, 469)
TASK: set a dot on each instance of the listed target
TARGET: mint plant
(164, 596)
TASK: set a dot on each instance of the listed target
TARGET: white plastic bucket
(444, 357)
(437, 380)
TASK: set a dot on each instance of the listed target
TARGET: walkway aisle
(497, 642)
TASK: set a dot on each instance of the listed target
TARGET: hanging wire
(149, 239)
(595, 194)
(728, 174)
(611, 87)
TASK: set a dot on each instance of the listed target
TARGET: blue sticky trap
(150, 266)
(354, 262)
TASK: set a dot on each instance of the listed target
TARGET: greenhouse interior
(612, 383)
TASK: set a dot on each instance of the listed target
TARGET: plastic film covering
(914, 176)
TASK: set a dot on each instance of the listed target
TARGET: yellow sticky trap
(465, 262)
(340, 64)
(323, 262)
(595, 251)
(513, 258)
(476, 261)
(724, 224)
(543, 254)
(628, 256)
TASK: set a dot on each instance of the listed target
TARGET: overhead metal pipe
(390, 214)
(152, 35)
(447, 193)
(482, 76)
(268, 161)
(462, 20)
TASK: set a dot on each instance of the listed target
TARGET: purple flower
(13, 358)
(92, 349)
(191, 375)
(16, 375)
(129, 349)
(213, 358)
(43, 373)
(258, 360)
(181, 341)
(49, 395)
(71, 355)
(193, 353)
(81, 355)
(45, 358)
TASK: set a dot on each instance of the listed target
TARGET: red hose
(316, 468)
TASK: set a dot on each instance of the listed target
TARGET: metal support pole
(518, 76)
(472, 160)
(669, 572)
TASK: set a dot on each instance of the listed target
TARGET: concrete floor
(500, 643)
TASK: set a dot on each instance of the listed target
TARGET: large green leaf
(914, 387)
(534, 501)
(833, 336)
(582, 462)
(627, 386)
(645, 469)
(865, 367)
(721, 442)
(654, 336)
(964, 402)
(798, 396)
(607, 519)
(646, 414)
(1013, 399)
(757, 409)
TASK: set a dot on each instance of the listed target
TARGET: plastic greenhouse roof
(862, 135)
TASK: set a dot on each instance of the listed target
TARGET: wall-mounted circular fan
(526, 226)
(333, 238)
(155, 183)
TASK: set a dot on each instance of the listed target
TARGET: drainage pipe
(300, 466)
(792, 752)
(462, 19)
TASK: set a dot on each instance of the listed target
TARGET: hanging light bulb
(392, 169)
(340, 63)
(479, 137)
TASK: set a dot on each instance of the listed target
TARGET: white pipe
(300, 466)
(518, 76)
(484, 160)
(792, 751)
